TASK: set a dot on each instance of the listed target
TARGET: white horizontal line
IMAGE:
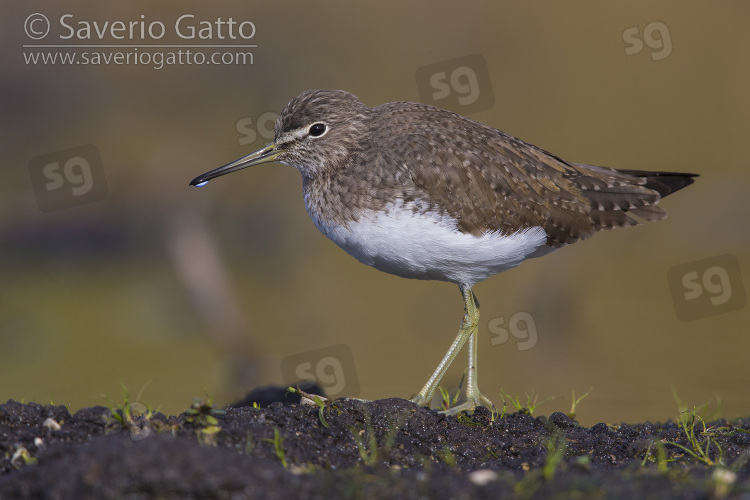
(136, 46)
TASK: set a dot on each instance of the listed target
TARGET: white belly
(428, 246)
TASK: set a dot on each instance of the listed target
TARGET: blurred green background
(208, 291)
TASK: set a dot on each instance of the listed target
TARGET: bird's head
(317, 131)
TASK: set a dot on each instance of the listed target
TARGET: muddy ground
(350, 449)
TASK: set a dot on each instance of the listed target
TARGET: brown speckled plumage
(424, 193)
(484, 178)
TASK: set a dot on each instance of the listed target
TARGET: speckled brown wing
(491, 181)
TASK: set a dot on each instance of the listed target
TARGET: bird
(420, 192)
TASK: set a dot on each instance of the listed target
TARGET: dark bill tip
(265, 155)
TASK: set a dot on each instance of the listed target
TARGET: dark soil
(351, 449)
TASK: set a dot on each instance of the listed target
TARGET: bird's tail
(615, 193)
(664, 183)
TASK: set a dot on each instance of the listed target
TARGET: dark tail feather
(665, 183)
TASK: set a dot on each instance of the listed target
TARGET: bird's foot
(471, 403)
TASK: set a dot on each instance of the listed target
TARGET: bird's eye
(317, 129)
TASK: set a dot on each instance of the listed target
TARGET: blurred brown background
(210, 291)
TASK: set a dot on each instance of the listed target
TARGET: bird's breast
(406, 240)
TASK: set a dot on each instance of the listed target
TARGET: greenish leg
(468, 331)
(474, 398)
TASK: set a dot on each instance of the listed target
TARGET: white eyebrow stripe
(292, 135)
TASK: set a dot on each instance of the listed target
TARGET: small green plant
(496, 414)
(319, 401)
(702, 410)
(489, 454)
(534, 479)
(660, 458)
(555, 445)
(247, 446)
(132, 415)
(700, 439)
(278, 446)
(370, 452)
(448, 457)
(449, 402)
(699, 436)
(574, 403)
(202, 414)
(531, 404)
(464, 419)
